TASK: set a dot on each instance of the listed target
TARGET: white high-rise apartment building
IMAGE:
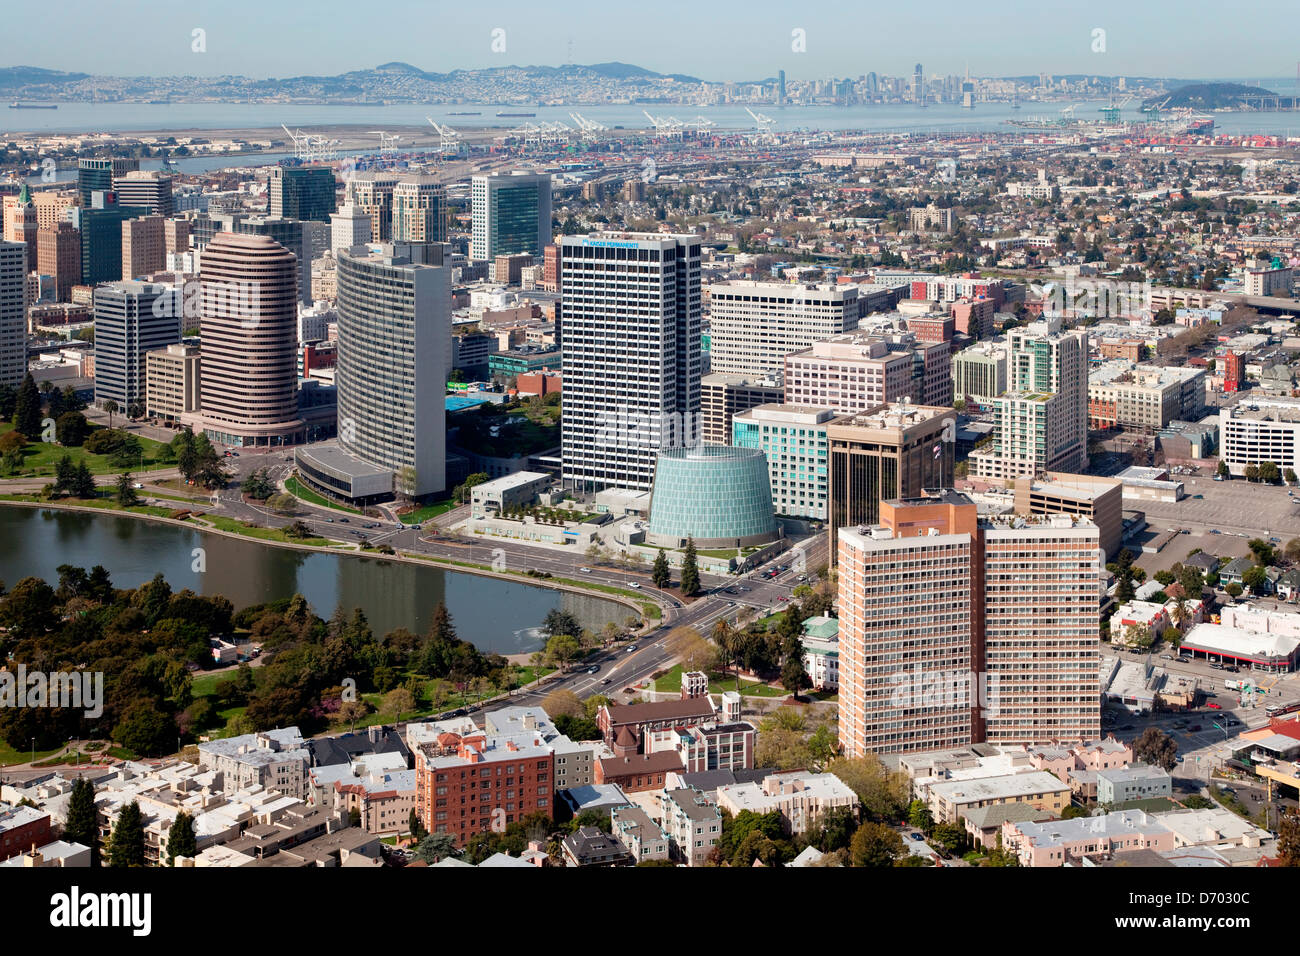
(349, 227)
(755, 325)
(13, 313)
(512, 214)
(1042, 420)
(631, 352)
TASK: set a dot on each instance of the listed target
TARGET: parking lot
(1257, 510)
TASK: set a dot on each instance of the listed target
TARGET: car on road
(782, 598)
(1216, 666)
(917, 836)
(1198, 496)
(634, 584)
(606, 680)
(731, 604)
(330, 520)
(584, 570)
(1166, 657)
(344, 520)
(631, 649)
(593, 669)
(1213, 706)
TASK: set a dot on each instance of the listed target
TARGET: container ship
(516, 114)
(31, 106)
(465, 114)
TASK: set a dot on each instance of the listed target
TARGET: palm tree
(111, 407)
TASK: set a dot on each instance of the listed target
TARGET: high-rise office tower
(176, 235)
(854, 373)
(1041, 423)
(25, 225)
(780, 87)
(58, 254)
(148, 188)
(631, 354)
(249, 327)
(13, 313)
(131, 319)
(144, 246)
(918, 84)
(753, 326)
(419, 210)
(349, 227)
(101, 236)
(97, 175)
(301, 192)
(394, 354)
(956, 629)
(372, 192)
(893, 451)
(512, 213)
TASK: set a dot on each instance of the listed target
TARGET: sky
(722, 40)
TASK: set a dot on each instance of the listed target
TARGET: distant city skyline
(719, 43)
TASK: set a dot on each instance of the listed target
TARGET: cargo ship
(512, 115)
(31, 106)
(465, 114)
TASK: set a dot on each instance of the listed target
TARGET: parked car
(1166, 657)
(917, 836)
(1213, 706)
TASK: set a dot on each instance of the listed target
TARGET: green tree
(82, 825)
(919, 816)
(1223, 471)
(180, 838)
(1157, 748)
(126, 496)
(71, 429)
(112, 408)
(690, 570)
(561, 649)
(1268, 472)
(659, 572)
(126, 845)
(1288, 838)
(434, 847)
(83, 482)
(27, 408)
(1255, 579)
(876, 845)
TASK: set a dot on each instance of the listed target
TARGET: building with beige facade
(855, 372)
(1100, 500)
(144, 246)
(1122, 394)
(956, 629)
(753, 326)
(172, 382)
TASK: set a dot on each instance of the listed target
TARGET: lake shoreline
(436, 563)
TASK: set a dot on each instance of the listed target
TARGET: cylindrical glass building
(717, 494)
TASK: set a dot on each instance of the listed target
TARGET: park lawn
(423, 514)
(122, 753)
(299, 490)
(70, 759)
(672, 681)
(39, 458)
(10, 755)
(266, 534)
